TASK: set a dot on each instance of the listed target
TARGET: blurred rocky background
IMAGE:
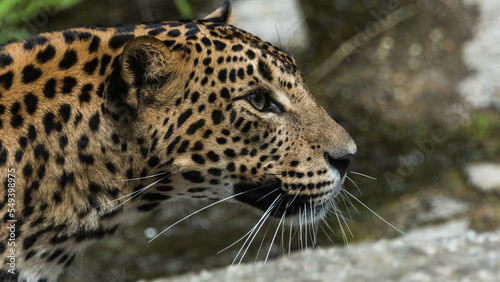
(416, 83)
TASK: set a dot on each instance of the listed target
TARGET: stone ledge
(449, 252)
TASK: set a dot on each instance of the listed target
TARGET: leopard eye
(262, 101)
(258, 100)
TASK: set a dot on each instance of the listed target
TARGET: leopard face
(255, 132)
(101, 122)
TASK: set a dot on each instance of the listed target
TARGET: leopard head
(230, 117)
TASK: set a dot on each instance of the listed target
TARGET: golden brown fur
(209, 109)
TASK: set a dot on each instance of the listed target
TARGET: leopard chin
(269, 197)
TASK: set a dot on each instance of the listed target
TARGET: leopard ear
(146, 61)
(145, 68)
(223, 14)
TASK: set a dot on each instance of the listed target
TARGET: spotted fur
(183, 109)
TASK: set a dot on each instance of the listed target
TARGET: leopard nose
(341, 164)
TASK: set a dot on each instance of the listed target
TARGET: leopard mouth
(269, 197)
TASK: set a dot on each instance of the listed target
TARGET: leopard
(188, 109)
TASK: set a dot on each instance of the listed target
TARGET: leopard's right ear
(223, 14)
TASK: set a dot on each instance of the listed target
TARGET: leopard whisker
(313, 224)
(264, 236)
(311, 216)
(274, 237)
(268, 194)
(273, 204)
(291, 223)
(248, 235)
(338, 215)
(306, 227)
(334, 210)
(278, 33)
(290, 238)
(355, 185)
(265, 233)
(141, 178)
(202, 209)
(346, 201)
(300, 230)
(262, 241)
(255, 231)
(344, 219)
(329, 226)
(234, 243)
(364, 175)
(136, 193)
(301, 22)
(254, 236)
(324, 231)
(310, 227)
(374, 213)
(282, 239)
(295, 197)
(132, 195)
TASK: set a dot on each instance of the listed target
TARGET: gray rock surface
(440, 208)
(449, 252)
(482, 89)
(485, 176)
